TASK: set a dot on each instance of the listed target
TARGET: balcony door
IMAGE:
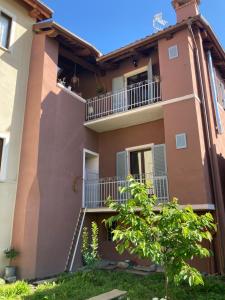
(137, 89)
(141, 166)
(141, 162)
(91, 179)
(148, 165)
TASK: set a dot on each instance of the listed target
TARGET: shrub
(11, 291)
(90, 251)
(11, 254)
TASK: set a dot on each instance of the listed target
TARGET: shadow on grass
(87, 284)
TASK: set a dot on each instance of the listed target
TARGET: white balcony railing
(134, 96)
(98, 191)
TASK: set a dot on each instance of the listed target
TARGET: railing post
(142, 93)
(96, 192)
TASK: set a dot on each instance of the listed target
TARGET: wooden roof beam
(77, 60)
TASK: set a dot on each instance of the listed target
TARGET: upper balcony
(135, 104)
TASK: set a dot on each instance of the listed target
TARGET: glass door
(137, 89)
(141, 166)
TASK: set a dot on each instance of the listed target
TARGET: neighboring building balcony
(137, 103)
(97, 191)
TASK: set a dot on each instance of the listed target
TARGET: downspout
(212, 162)
(214, 92)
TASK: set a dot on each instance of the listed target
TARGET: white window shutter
(150, 74)
(223, 94)
(119, 97)
(159, 158)
(121, 164)
(160, 172)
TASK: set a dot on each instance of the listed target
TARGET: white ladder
(75, 240)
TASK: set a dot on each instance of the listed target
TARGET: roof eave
(212, 35)
(149, 39)
(161, 34)
(39, 10)
(53, 25)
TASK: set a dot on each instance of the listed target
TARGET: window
(1, 151)
(181, 141)
(221, 93)
(5, 29)
(173, 52)
(4, 143)
(141, 162)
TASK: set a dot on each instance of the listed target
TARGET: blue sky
(109, 25)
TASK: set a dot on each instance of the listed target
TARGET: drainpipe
(213, 163)
(214, 92)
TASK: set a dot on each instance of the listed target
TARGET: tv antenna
(158, 22)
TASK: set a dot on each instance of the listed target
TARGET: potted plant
(100, 90)
(10, 271)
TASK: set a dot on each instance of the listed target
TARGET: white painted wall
(14, 71)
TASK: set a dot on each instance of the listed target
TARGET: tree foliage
(165, 234)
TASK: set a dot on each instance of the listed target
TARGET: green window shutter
(119, 97)
(159, 159)
(121, 164)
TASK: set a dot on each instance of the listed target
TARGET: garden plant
(164, 234)
(90, 250)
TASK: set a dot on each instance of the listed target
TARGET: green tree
(169, 236)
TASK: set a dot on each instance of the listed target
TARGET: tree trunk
(166, 285)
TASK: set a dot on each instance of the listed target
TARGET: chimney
(186, 8)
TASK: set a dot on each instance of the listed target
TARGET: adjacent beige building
(16, 34)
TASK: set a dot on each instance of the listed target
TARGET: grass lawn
(83, 285)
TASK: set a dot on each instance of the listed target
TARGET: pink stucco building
(154, 109)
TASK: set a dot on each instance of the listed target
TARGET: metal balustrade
(96, 192)
(134, 96)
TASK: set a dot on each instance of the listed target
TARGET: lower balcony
(137, 103)
(96, 192)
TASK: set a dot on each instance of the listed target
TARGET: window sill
(71, 93)
(4, 49)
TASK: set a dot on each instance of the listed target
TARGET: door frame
(96, 154)
(136, 148)
(134, 72)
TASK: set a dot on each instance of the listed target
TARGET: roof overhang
(53, 29)
(38, 10)
(211, 42)
(152, 40)
(140, 44)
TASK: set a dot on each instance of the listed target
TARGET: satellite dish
(158, 22)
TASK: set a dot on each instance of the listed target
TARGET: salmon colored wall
(218, 157)
(26, 214)
(187, 10)
(114, 141)
(186, 167)
(50, 185)
(176, 74)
